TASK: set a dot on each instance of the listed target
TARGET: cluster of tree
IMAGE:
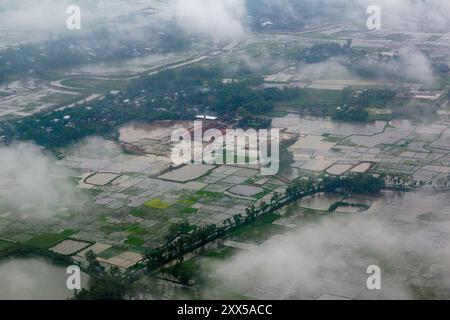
(179, 244)
(231, 99)
(63, 127)
(170, 94)
(356, 102)
(369, 97)
(348, 113)
(104, 284)
(321, 52)
(354, 183)
(299, 188)
(183, 276)
(100, 45)
(21, 249)
(166, 95)
(338, 204)
(203, 88)
(324, 51)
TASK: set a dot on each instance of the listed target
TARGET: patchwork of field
(401, 147)
(415, 270)
(326, 256)
(135, 200)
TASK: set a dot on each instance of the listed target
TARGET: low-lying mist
(332, 256)
(218, 20)
(29, 185)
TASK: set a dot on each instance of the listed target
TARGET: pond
(320, 201)
(34, 278)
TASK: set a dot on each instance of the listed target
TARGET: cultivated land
(416, 151)
(135, 198)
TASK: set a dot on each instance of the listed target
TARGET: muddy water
(320, 201)
(34, 278)
(156, 130)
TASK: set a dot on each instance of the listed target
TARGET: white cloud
(330, 256)
(29, 185)
(220, 20)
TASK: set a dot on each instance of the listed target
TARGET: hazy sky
(215, 19)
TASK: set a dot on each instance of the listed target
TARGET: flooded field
(102, 178)
(418, 150)
(34, 278)
(319, 126)
(339, 169)
(187, 173)
(131, 66)
(320, 201)
(361, 168)
(406, 234)
(246, 191)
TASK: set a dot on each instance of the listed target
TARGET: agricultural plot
(416, 274)
(362, 167)
(399, 147)
(135, 200)
(339, 169)
(132, 208)
(246, 191)
(187, 173)
(69, 247)
(101, 178)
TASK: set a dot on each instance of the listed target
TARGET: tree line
(194, 237)
(112, 284)
(97, 46)
(168, 95)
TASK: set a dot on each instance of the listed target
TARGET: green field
(5, 245)
(134, 241)
(48, 240)
(111, 252)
